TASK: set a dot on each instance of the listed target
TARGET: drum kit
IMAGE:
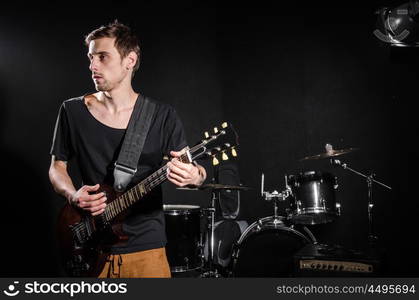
(265, 248)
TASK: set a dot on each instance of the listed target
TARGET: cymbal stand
(211, 271)
(372, 238)
(275, 196)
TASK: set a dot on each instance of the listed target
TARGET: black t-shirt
(95, 147)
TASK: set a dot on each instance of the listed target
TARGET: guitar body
(86, 258)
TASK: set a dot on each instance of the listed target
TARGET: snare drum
(267, 248)
(313, 198)
(183, 237)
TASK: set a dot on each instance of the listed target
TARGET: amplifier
(333, 261)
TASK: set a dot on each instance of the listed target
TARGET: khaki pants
(143, 264)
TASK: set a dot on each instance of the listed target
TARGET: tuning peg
(224, 156)
(206, 134)
(224, 125)
(215, 161)
(215, 130)
(233, 152)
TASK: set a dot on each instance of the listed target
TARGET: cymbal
(330, 154)
(216, 186)
(213, 186)
(189, 187)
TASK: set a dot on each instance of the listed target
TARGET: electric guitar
(83, 238)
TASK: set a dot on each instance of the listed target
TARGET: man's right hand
(93, 203)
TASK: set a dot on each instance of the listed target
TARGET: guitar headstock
(220, 144)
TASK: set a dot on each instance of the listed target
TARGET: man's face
(108, 69)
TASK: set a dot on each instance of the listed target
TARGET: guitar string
(157, 178)
(154, 179)
(146, 183)
(150, 182)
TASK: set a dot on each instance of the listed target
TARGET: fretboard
(140, 190)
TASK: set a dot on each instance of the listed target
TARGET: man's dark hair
(125, 40)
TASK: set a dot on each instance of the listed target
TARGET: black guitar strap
(138, 127)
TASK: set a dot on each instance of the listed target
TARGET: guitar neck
(139, 191)
(133, 195)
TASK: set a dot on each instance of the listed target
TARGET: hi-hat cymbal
(330, 154)
(213, 186)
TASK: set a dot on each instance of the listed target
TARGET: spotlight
(399, 26)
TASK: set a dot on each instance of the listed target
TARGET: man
(91, 128)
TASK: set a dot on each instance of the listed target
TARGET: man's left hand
(182, 174)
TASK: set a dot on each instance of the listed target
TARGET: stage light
(399, 26)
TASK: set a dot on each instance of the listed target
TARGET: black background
(290, 77)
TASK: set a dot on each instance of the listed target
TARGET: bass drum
(267, 248)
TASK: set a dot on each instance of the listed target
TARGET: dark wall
(294, 84)
(290, 79)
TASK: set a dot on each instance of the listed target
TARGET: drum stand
(372, 238)
(275, 196)
(211, 271)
